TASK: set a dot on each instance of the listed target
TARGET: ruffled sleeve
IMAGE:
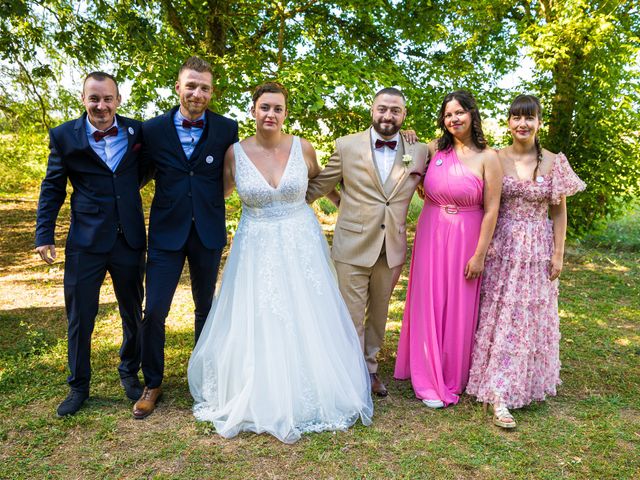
(564, 181)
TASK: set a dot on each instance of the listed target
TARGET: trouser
(84, 274)
(163, 274)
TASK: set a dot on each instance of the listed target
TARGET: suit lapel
(196, 156)
(367, 154)
(400, 171)
(123, 123)
(397, 170)
(83, 143)
(172, 136)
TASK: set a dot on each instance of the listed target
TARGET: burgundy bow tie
(390, 143)
(109, 132)
(189, 124)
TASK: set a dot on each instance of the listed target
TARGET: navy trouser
(163, 274)
(83, 276)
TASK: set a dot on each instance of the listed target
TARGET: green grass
(591, 430)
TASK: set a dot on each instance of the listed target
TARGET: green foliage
(333, 55)
(23, 161)
(622, 235)
(586, 54)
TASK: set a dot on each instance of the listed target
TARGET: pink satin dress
(441, 309)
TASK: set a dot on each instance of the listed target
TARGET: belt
(453, 209)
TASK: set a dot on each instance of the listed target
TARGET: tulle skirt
(279, 352)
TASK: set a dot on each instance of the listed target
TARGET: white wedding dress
(279, 353)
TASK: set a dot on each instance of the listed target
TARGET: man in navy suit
(98, 153)
(185, 148)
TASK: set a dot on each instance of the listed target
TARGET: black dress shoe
(132, 388)
(72, 403)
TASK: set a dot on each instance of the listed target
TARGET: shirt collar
(375, 136)
(179, 117)
(91, 128)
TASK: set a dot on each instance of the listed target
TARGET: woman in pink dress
(516, 354)
(462, 196)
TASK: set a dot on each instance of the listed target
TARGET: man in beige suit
(378, 173)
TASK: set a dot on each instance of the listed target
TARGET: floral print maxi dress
(516, 354)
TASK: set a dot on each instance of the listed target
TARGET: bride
(278, 353)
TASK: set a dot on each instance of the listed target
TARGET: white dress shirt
(385, 156)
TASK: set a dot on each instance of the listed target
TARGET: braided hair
(468, 103)
(526, 106)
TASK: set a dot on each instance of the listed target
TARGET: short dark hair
(269, 87)
(390, 91)
(466, 101)
(100, 76)
(197, 64)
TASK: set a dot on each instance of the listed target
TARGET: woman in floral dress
(516, 354)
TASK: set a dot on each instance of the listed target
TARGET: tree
(333, 55)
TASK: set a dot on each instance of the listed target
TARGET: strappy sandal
(502, 416)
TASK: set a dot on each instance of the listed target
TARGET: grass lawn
(591, 430)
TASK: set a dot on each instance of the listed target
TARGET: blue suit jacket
(187, 190)
(102, 200)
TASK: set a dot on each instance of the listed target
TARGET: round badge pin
(539, 179)
(439, 162)
(209, 159)
(130, 131)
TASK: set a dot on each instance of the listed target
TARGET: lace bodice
(260, 198)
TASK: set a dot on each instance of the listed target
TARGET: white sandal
(501, 416)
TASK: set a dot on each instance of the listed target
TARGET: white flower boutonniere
(407, 160)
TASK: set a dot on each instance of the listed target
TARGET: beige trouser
(367, 291)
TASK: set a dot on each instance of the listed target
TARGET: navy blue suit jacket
(187, 190)
(102, 201)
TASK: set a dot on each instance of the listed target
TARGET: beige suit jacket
(371, 214)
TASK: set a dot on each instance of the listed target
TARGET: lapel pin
(439, 162)
(130, 130)
(209, 159)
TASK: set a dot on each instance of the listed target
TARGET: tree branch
(174, 20)
(34, 90)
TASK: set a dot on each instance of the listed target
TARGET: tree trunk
(216, 37)
(565, 79)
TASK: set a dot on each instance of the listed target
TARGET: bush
(24, 161)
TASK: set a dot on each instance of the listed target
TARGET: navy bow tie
(109, 132)
(189, 124)
(389, 143)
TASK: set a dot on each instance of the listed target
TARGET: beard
(388, 130)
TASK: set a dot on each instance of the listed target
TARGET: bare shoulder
(490, 155)
(548, 159)
(248, 142)
(306, 146)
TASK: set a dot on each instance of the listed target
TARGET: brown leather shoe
(147, 403)
(377, 386)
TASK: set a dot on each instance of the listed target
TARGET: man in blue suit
(185, 148)
(98, 153)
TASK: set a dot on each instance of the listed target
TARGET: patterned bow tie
(391, 144)
(109, 132)
(189, 124)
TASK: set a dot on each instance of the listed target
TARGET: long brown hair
(528, 106)
(466, 101)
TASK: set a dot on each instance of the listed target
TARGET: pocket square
(136, 147)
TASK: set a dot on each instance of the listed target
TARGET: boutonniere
(407, 160)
